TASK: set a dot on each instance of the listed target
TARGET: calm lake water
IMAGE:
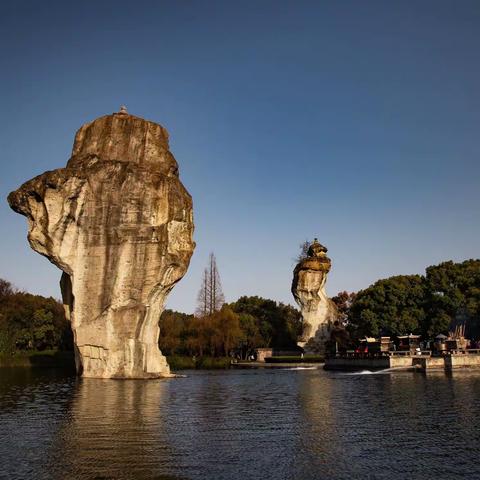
(240, 424)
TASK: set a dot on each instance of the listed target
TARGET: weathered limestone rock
(118, 222)
(308, 288)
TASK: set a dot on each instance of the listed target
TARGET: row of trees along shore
(220, 329)
(448, 294)
(31, 322)
(427, 304)
(237, 328)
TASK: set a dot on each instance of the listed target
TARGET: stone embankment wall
(417, 362)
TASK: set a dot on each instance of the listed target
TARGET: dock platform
(419, 361)
(253, 364)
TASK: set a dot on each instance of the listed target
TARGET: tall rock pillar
(308, 288)
(118, 222)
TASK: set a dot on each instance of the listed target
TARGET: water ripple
(294, 424)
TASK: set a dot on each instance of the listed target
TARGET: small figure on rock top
(316, 249)
(123, 110)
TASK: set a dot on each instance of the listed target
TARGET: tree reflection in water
(305, 424)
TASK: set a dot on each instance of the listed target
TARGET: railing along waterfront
(402, 353)
(468, 351)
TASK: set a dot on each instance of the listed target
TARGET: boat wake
(378, 372)
(301, 368)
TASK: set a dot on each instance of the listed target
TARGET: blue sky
(357, 122)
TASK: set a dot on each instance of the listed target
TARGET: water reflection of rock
(318, 418)
(307, 425)
(114, 430)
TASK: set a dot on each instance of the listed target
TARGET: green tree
(172, 325)
(6, 289)
(303, 251)
(228, 334)
(240, 327)
(393, 306)
(343, 301)
(31, 321)
(252, 338)
(448, 294)
(278, 324)
(454, 293)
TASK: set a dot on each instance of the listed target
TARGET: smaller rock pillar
(308, 288)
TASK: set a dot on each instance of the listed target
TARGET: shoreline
(66, 359)
(45, 359)
(296, 365)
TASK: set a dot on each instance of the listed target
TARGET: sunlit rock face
(118, 222)
(308, 288)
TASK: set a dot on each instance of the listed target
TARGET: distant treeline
(237, 328)
(31, 322)
(448, 294)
